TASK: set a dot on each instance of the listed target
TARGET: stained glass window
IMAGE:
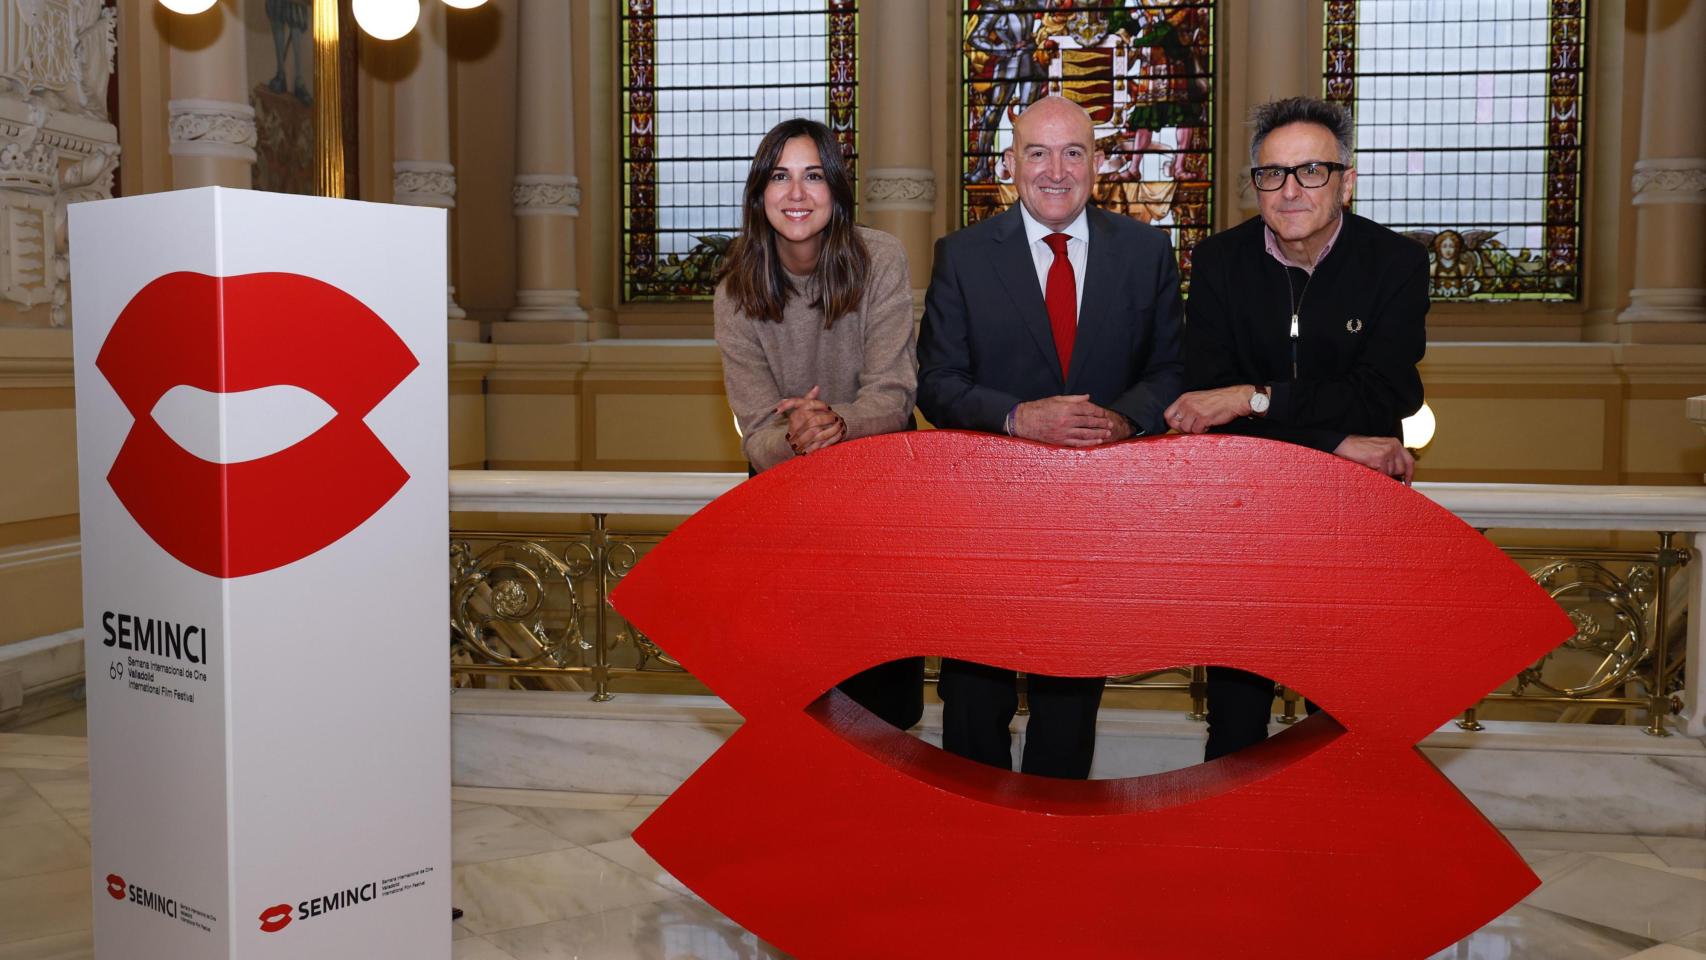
(1144, 70)
(703, 81)
(1469, 135)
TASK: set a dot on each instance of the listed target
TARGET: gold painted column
(211, 124)
(1667, 303)
(899, 184)
(422, 174)
(328, 106)
(546, 192)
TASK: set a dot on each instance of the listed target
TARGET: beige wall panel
(40, 596)
(467, 430)
(44, 443)
(33, 533)
(542, 427)
(1658, 438)
(665, 427)
(1517, 434)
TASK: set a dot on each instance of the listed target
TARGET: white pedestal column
(261, 449)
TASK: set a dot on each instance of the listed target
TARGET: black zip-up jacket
(1362, 330)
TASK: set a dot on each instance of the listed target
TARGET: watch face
(1259, 402)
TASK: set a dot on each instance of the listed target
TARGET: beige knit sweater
(866, 366)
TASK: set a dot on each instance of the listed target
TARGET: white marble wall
(1528, 776)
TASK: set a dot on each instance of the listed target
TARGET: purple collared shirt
(1272, 243)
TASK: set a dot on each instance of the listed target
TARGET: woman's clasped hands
(810, 423)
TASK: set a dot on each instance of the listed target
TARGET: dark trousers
(1240, 704)
(979, 702)
(893, 691)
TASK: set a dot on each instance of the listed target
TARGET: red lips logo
(833, 836)
(115, 886)
(274, 919)
(228, 335)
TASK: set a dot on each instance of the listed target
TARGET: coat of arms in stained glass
(1142, 69)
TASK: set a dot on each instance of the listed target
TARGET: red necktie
(1062, 297)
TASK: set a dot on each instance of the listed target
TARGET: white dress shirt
(1077, 252)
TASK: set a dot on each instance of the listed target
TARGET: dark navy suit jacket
(985, 344)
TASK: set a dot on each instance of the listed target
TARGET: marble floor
(555, 876)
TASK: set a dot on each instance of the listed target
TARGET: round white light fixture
(386, 19)
(187, 6)
(465, 4)
(1419, 428)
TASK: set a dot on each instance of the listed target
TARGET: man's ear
(1349, 190)
(1007, 161)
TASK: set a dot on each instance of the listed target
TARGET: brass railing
(1620, 602)
(537, 605)
(533, 608)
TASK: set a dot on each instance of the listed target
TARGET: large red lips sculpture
(833, 836)
(231, 334)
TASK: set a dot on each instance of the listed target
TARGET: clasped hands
(809, 423)
(1070, 421)
(1197, 411)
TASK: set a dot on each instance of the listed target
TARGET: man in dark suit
(1055, 323)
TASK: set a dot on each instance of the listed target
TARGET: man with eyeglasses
(1304, 325)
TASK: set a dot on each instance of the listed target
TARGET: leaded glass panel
(703, 81)
(1145, 72)
(1469, 135)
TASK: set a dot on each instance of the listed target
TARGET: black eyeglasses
(1315, 173)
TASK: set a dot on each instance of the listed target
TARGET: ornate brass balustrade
(537, 605)
(533, 608)
(1620, 602)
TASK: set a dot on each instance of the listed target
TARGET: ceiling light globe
(387, 19)
(187, 6)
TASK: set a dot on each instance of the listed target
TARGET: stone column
(1283, 60)
(422, 174)
(1694, 671)
(1667, 303)
(546, 192)
(1697, 412)
(212, 125)
(899, 185)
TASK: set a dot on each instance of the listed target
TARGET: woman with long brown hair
(814, 319)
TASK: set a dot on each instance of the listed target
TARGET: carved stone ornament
(59, 53)
(423, 183)
(537, 194)
(1680, 180)
(212, 128)
(56, 144)
(900, 188)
